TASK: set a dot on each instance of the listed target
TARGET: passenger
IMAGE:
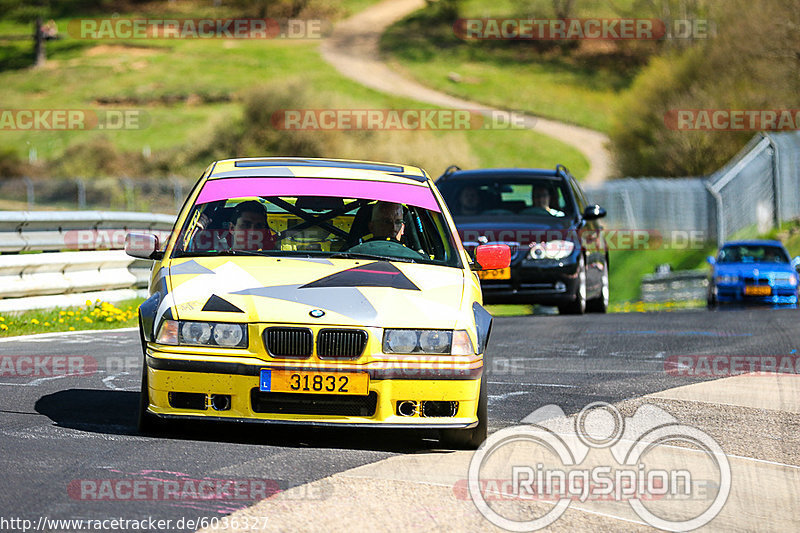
(249, 229)
(469, 201)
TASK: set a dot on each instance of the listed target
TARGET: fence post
(81, 193)
(777, 212)
(129, 193)
(29, 192)
(718, 212)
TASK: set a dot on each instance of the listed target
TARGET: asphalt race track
(61, 434)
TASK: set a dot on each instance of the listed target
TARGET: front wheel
(600, 304)
(472, 438)
(578, 305)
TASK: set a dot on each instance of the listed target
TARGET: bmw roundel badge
(316, 313)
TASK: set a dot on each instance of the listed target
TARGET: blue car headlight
(726, 279)
(785, 279)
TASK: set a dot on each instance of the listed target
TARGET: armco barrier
(74, 230)
(683, 285)
(101, 269)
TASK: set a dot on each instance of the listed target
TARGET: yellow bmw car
(316, 291)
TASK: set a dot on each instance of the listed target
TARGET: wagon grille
(313, 404)
(341, 343)
(289, 342)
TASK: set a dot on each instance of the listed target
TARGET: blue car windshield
(753, 254)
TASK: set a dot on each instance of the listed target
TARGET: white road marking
(559, 385)
(36, 337)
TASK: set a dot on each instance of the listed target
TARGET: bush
(750, 64)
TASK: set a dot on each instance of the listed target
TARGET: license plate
(500, 273)
(757, 290)
(312, 382)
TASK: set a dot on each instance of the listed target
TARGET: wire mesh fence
(754, 192)
(114, 194)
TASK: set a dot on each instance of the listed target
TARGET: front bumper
(545, 282)
(390, 383)
(735, 293)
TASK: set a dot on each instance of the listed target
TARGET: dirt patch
(114, 49)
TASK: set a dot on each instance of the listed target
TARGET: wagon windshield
(370, 220)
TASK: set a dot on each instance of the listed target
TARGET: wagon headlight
(427, 341)
(192, 333)
(726, 279)
(557, 249)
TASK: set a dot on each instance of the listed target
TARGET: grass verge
(93, 315)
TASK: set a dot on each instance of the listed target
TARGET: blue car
(757, 271)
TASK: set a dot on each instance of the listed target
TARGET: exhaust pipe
(407, 408)
(221, 402)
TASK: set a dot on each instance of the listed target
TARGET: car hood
(752, 269)
(533, 230)
(287, 290)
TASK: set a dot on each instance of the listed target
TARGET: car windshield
(278, 217)
(753, 254)
(536, 198)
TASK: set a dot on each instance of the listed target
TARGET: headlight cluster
(556, 249)
(790, 279)
(427, 341)
(726, 279)
(222, 334)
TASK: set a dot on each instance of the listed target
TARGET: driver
(386, 222)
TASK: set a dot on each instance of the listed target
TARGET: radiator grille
(341, 343)
(289, 342)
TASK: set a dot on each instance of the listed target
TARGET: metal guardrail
(685, 285)
(99, 270)
(22, 231)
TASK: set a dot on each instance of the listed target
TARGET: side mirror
(142, 246)
(710, 260)
(796, 262)
(492, 256)
(593, 212)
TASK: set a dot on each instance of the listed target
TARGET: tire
(711, 301)
(472, 438)
(600, 304)
(578, 305)
(147, 423)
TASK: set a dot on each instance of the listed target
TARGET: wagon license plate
(757, 290)
(312, 382)
(500, 273)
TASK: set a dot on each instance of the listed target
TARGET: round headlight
(433, 341)
(196, 332)
(401, 340)
(227, 334)
(558, 249)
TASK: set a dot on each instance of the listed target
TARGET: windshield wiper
(217, 253)
(350, 255)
